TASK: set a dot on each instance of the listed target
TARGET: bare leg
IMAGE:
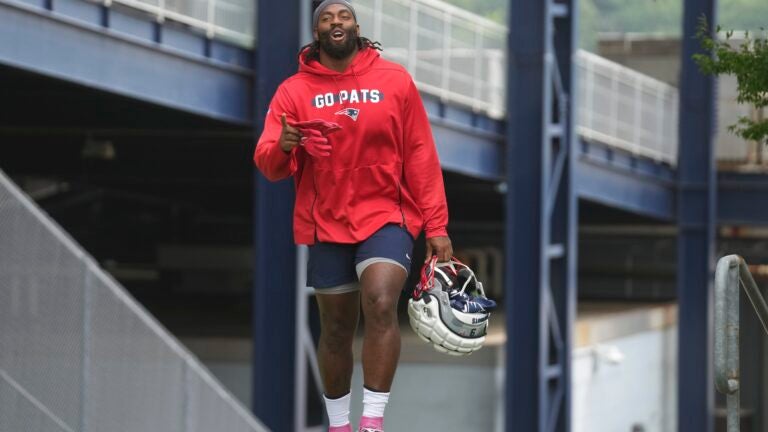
(381, 284)
(339, 315)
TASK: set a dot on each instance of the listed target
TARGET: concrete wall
(628, 384)
(624, 368)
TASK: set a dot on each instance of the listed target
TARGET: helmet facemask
(449, 308)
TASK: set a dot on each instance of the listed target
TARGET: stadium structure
(148, 277)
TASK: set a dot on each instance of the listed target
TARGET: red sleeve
(271, 160)
(422, 171)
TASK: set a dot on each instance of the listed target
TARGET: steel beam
(76, 45)
(541, 226)
(564, 217)
(696, 222)
(523, 296)
(617, 179)
(274, 294)
(468, 143)
(741, 199)
(468, 151)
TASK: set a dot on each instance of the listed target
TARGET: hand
(289, 137)
(440, 246)
(315, 143)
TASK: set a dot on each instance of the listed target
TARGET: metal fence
(626, 109)
(77, 353)
(451, 53)
(460, 57)
(230, 20)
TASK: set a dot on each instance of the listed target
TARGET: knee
(380, 310)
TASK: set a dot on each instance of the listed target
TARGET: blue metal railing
(230, 20)
(460, 57)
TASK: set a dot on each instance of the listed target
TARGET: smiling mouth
(338, 35)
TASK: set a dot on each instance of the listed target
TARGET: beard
(336, 50)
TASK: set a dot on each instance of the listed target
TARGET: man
(351, 129)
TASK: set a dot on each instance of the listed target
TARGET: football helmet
(449, 308)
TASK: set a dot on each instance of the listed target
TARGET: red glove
(325, 127)
(314, 142)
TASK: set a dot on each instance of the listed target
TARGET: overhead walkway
(161, 53)
(627, 128)
(627, 124)
(196, 56)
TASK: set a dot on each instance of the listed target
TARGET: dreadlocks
(313, 49)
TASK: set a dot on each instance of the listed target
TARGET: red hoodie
(383, 167)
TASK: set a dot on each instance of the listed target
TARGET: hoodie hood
(363, 61)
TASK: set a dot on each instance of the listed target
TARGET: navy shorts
(335, 268)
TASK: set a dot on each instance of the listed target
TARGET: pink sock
(372, 422)
(346, 428)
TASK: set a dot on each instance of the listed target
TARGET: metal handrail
(731, 272)
(451, 53)
(460, 57)
(218, 19)
(626, 109)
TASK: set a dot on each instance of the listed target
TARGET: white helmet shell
(435, 321)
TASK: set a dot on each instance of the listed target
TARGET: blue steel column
(525, 108)
(274, 293)
(541, 216)
(565, 225)
(695, 242)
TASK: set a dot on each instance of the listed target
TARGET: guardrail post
(413, 38)
(446, 72)
(589, 92)
(637, 116)
(660, 132)
(378, 15)
(478, 79)
(727, 336)
(211, 25)
(731, 272)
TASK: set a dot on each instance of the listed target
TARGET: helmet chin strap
(453, 263)
(427, 281)
(445, 276)
(447, 264)
(433, 266)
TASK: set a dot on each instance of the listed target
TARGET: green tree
(749, 63)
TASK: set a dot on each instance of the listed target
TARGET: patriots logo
(349, 112)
